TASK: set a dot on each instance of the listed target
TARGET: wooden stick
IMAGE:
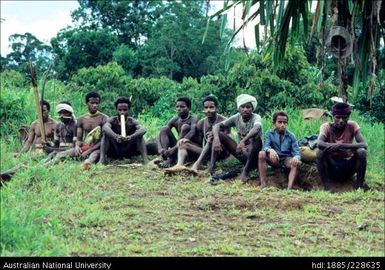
(123, 125)
(38, 105)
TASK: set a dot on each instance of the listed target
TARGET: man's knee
(361, 153)
(165, 130)
(320, 154)
(262, 155)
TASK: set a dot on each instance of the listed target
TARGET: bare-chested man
(115, 145)
(89, 133)
(185, 125)
(205, 134)
(249, 129)
(34, 137)
(338, 158)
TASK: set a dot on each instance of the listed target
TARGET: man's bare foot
(166, 164)
(86, 166)
(244, 178)
(179, 169)
(263, 184)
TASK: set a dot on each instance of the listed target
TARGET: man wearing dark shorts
(338, 158)
(115, 145)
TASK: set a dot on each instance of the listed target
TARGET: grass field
(138, 211)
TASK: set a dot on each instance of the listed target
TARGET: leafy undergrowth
(138, 211)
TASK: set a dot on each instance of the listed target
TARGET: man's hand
(85, 154)
(127, 138)
(273, 156)
(182, 141)
(164, 153)
(333, 148)
(78, 150)
(294, 161)
(240, 147)
(119, 139)
(209, 137)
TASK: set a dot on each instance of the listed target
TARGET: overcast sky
(44, 19)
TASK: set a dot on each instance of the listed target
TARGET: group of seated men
(95, 137)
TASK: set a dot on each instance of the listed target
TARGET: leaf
(206, 30)
(223, 25)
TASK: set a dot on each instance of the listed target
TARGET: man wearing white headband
(249, 129)
(65, 132)
(88, 133)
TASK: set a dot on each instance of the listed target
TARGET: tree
(27, 47)
(75, 49)
(130, 21)
(282, 20)
(174, 47)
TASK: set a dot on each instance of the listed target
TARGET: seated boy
(115, 145)
(338, 158)
(185, 125)
(249, 129)
(280, 149)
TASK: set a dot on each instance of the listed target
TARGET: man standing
(117, 146)
(338, 158)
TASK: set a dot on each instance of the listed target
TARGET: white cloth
(65, 107)
(245, 98)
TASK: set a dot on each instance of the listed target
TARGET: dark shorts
(342, 169)
(281, 163)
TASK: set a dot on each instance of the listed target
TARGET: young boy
(185, 125)
(205, 134)
(114, 144)
(280, 149)
(338, 158)
(249, 129)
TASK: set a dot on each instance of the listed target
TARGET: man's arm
(170, 125)
(254, 132)
(31, 138)
(107, 129)
(193, 127)
(140, 131)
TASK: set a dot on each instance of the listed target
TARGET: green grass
(140, 212)
(115, 211)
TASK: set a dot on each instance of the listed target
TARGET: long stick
(38, 106)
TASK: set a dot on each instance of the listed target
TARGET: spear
(38, 106)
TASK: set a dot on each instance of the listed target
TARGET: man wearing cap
(65, 132)
(249, 130)
(338, 158)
